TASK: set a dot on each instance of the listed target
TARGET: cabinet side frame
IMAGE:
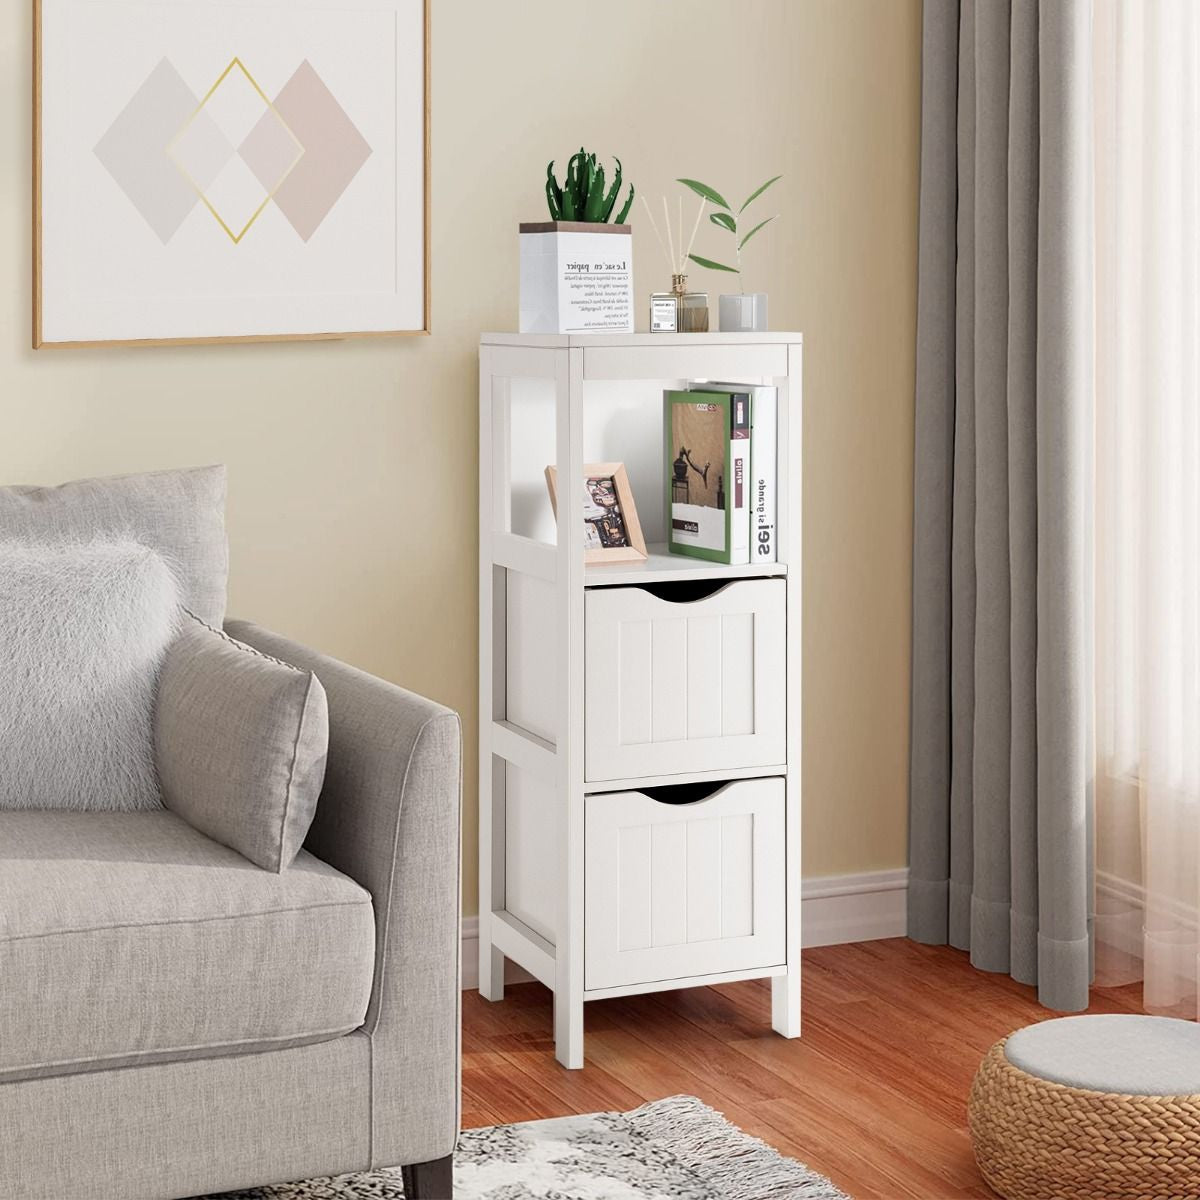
(569, 948)
(494, 505)
(785, 989)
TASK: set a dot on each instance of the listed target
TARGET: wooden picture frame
(634, 547)
(312, 315)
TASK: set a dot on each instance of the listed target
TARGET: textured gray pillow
(83, 631)
(181, 514)
(240, 739)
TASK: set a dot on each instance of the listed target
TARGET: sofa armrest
(389, 817)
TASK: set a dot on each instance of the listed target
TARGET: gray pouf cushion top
(1119, 1053)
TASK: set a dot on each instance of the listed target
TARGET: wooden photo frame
(213, 172)
(608, 493)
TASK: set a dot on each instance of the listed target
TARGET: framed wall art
(207, 171)
(611, 529)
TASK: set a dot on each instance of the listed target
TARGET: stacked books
(720, 443)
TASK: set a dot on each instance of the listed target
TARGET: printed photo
(611, 529)
(602, 514)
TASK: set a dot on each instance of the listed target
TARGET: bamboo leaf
(702, 189)
(712, 266)
(755, 230)
(754, 195)
(725, 220)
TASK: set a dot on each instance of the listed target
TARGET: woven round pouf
(1091, 1108)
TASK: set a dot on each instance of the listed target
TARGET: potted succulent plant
(577, 268)
(742, 311)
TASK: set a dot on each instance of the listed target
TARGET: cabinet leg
(568, 1031)
(785, 1004)
(491, 971)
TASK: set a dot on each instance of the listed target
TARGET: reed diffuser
(677, 311)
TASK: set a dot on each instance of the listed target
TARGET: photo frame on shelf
(214, 172)
(612, 531)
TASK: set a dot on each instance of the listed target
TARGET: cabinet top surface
(584, 340)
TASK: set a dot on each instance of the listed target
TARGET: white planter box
(576, 277)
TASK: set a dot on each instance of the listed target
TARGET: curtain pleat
(1000, 825)
(933, 482)
(1022, 481)
(1064, 424)
(991, 893)
(962, 550)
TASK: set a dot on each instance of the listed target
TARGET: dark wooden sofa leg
(430, 1180)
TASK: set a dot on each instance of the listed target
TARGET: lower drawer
(677, 886)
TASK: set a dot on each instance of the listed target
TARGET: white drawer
(674, 890)
(675, 684)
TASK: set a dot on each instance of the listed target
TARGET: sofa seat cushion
(128, 938)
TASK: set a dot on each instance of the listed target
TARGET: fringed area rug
(673, 1149)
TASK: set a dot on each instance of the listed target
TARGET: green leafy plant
(725, 218)
(582, 197)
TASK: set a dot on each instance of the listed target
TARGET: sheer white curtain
(1147, 490)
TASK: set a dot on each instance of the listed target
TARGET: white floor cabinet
(635, 835)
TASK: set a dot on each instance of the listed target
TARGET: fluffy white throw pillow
(83, 630)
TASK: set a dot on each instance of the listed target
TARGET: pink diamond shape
(334, 150)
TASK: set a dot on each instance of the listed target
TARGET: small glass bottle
(692, 306)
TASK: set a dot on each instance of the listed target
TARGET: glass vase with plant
(743, 312)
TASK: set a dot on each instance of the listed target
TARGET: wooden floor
(872, 1095)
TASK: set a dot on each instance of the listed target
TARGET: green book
(706, 437)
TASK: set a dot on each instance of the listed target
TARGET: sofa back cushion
(240, 742)
(83, 630)
(181, 514)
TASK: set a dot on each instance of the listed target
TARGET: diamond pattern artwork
(220, 170)
(233, 150)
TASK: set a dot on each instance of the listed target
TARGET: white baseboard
(1120, 901)
(835, 909)
(1121, 913)
(470, 959)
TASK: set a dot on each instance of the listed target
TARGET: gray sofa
(175, 1021)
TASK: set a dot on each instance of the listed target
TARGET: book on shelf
(707, 441)
(764, 481)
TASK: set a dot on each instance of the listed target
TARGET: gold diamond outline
(241, 66)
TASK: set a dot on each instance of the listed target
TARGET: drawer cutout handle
(684, 793)
(686, 591)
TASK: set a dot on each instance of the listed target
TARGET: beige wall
(352, 466)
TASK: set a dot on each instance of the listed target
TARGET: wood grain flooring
(873, 1095)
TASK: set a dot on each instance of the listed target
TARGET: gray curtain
(1000, 826)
